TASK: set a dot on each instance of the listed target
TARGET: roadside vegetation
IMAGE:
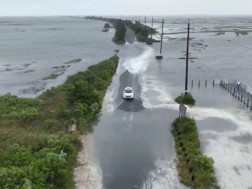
(193, 167)
(120, 32)
(185, 99)
(36, 149)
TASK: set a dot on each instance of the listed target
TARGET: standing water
(134, 143)
(131, 146)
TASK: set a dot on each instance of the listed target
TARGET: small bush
(185, 99)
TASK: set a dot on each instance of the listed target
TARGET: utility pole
(149, 41)
(145, 23)
(151, 26)
(160, 56)
(187, 57)
(162, 33)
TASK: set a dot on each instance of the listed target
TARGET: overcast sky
(124, 7)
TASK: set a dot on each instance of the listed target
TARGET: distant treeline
(142, 32)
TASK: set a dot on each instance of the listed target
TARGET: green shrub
(185, 99)
(50, 167)
(19, 109)
(12, 178)
(16, 156)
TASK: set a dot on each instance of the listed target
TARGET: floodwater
(132, 143)
(38, 53)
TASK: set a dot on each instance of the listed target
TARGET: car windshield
(128, 91)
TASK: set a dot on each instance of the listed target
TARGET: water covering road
(133, 141)
(131, 146)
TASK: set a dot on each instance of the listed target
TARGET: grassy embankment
(193, 167)
(36, 150)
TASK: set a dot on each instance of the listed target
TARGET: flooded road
(133, 140)
(131, 146)
(134, 143)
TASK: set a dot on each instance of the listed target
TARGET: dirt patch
(85, 174)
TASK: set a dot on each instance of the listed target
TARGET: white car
(128, 93)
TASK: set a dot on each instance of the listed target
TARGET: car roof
(128, 88)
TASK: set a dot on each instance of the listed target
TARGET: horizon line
(122, 15)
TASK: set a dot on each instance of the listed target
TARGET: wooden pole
(159, 57)
(145, 23)
(151, 26)
(161, 43)
(187, 56)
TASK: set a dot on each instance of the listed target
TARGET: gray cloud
(124, 7)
